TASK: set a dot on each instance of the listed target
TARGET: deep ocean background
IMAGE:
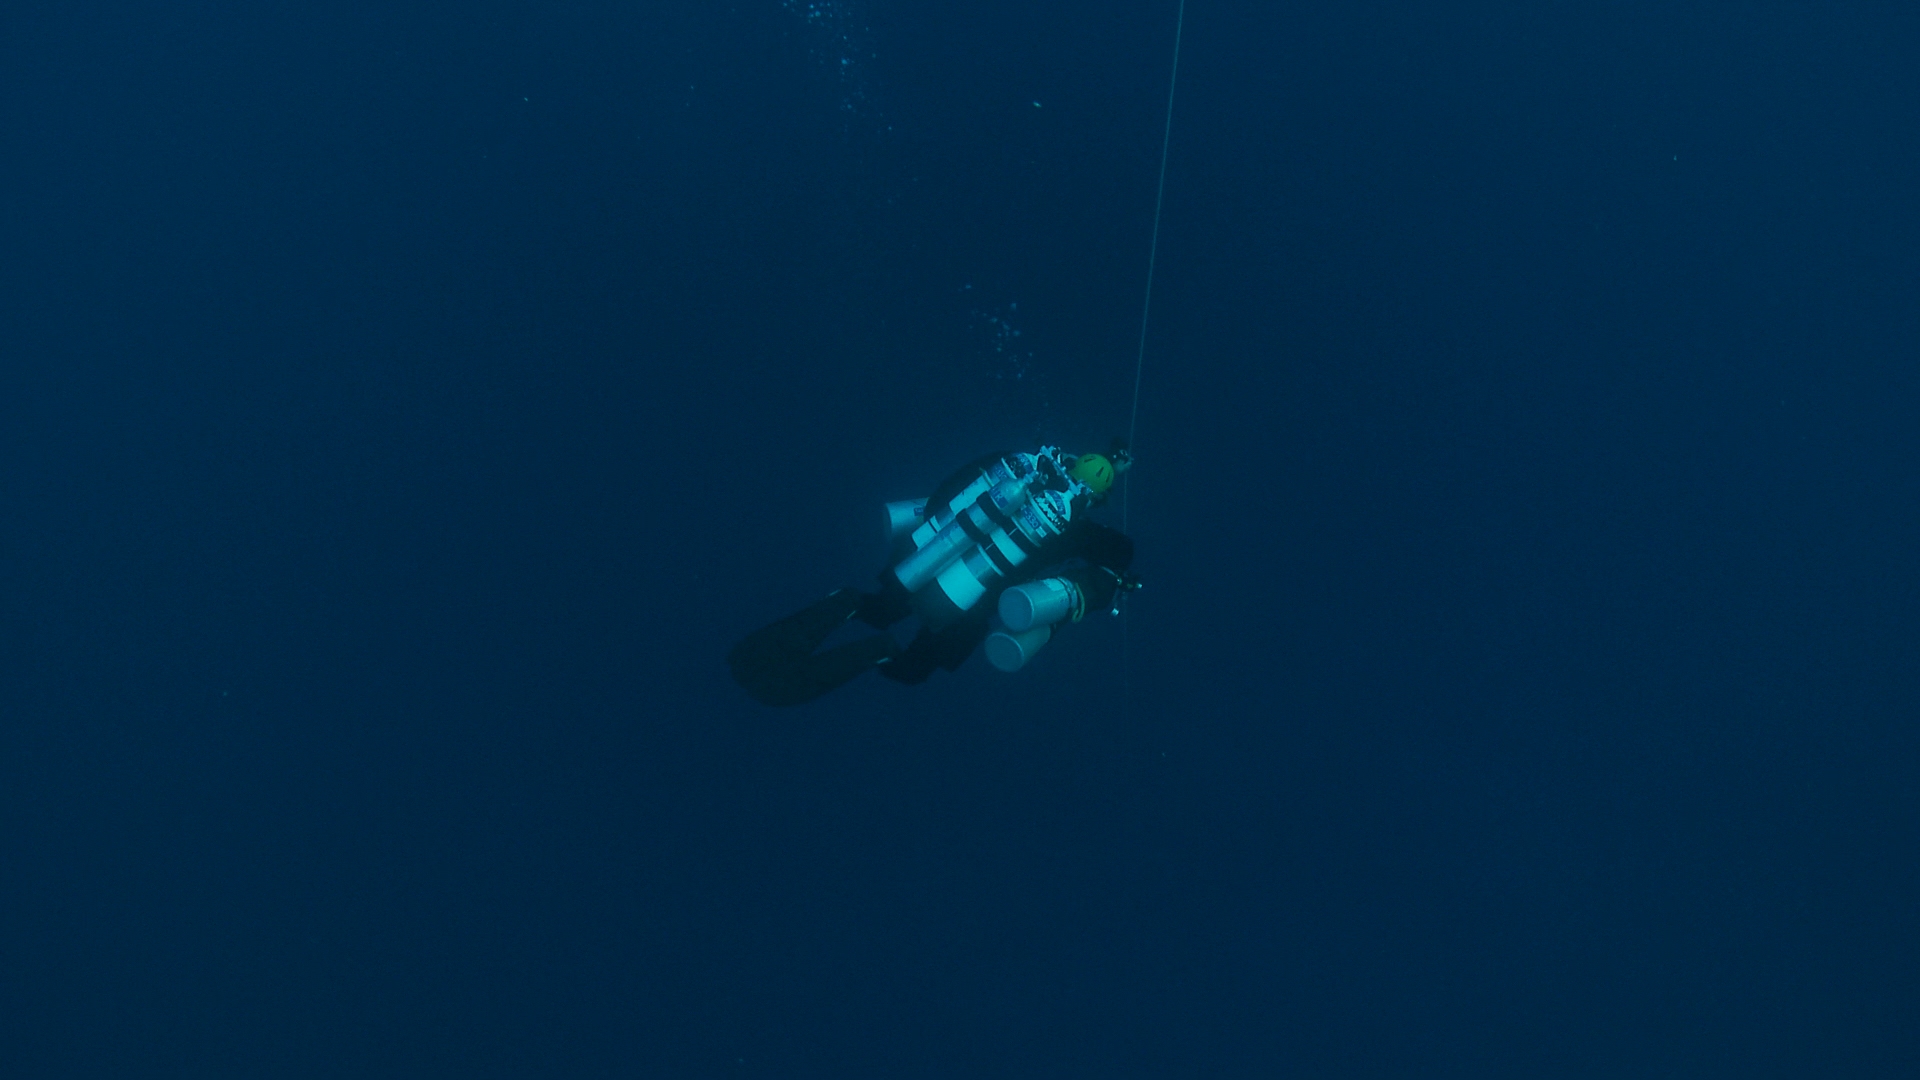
(404, 405)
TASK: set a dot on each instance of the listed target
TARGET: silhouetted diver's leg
(947, 648)
(777, 663)
(886, 607)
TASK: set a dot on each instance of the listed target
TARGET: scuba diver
(1001, 552)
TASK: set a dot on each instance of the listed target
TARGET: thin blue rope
(1153, 255)
(1140, 359)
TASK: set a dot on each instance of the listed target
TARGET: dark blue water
(404, 406)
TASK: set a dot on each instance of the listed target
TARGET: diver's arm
(1099, 559)
(1100, 546)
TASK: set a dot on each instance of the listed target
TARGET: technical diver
(1002, 552)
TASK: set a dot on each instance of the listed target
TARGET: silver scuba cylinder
(944, 533)
(925, 564)
(1041, 603)
(904, 516)
(1011, 467)
(1007, 526)
(1009, 650)
(962, 551)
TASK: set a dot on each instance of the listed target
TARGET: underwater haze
(405, 406)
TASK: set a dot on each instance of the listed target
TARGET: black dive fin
(777, 665)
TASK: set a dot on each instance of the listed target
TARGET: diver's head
(1094, 470)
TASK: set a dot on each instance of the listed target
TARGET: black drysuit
(1090, 555)
(777, 664)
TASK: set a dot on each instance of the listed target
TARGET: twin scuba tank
(980, 537)
(1028, 614)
